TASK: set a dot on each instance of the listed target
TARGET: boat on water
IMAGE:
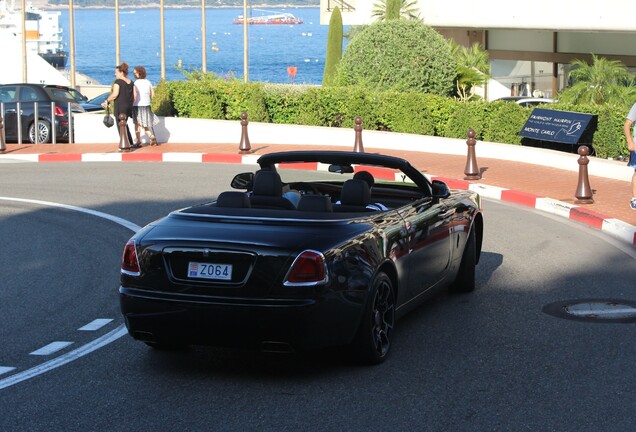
(281, 18)
(43, 32)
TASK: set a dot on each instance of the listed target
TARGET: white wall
(562, 15)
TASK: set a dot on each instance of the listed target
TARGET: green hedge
(205, 96)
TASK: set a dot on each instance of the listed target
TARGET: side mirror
(243, 181)
(440, 190)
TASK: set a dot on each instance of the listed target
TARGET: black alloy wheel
(373, 341)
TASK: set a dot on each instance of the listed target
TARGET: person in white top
(142, 113)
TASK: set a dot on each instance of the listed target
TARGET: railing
(343, 5)
(39, 120)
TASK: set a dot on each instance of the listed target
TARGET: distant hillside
(197, 3)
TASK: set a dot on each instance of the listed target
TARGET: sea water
(271, 48)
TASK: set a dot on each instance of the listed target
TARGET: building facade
(530, 44)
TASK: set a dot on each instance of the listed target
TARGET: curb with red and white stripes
(614, 227)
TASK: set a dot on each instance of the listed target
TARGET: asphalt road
(491, 360)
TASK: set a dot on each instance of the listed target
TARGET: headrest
(355, 192)
(267, 183)
(233, 200)
(316, 203)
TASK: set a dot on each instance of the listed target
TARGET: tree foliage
(598, 83)
(334, 47)
(393, 9)
(472, 69)
(400, 55)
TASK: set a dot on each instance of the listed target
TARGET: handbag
(108, 120)
(632, 159)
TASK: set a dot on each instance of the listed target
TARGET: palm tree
(600, 82)
(408, 9)
(473, 67)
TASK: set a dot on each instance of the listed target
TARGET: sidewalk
(542, 187)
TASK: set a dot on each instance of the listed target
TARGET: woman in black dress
(122, 95)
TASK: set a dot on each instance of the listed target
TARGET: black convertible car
(284, 266)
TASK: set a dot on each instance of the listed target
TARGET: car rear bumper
(288, 324)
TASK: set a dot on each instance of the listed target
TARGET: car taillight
(129, 261)
(59, 112)
(309, 268)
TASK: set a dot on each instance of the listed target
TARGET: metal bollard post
(53, 126)
(36, 131)
(124, 144)
(18, 125)
(583, 190)
(3, 145)
(244, 145)
(357, 145)
(471, 170)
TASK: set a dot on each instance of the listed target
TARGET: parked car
(52, 103)
(95, 104)
(526, 101)
(253, 269)
(77, 95)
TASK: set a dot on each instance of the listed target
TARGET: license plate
(210, 271)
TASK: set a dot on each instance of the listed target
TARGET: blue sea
(272, 48)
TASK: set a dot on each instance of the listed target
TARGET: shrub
(609, 138)
(199, 97)
(399, 55)
(504, 122)
(243, 97)
(162, 102)
(406, 113)
(391, 110)
(282, 102)
(467, 115)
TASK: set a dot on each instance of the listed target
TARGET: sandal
(153, 141)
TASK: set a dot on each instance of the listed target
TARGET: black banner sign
(557, 126)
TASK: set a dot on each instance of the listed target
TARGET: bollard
(583, 190)
(244, 145)
(124, 145)
(357, 145)
(472, 170)
(3, 145)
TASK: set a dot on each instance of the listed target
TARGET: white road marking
(123, 222)
(84, 349)
(95, 324)
(51, 348)
(112, 336)
(5, 369)
(601, 310)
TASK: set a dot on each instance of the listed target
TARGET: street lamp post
(117, 32)
(71, 18)
(204, 57)
(24, 50)
(246, 72)
(163, 42)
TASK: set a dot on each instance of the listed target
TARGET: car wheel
(373, 340)
(465, 281)
(44, 132)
